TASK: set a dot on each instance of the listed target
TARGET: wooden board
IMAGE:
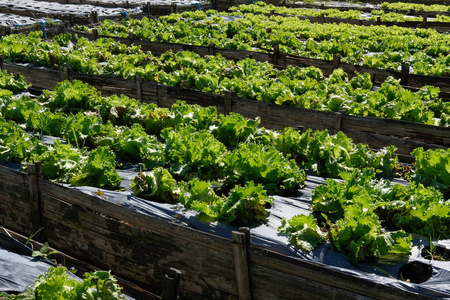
(15, 206)
(276, 274)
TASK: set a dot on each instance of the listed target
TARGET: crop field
(364, 202)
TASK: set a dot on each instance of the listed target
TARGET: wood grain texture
(292, 278)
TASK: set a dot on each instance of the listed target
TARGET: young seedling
(43, 252)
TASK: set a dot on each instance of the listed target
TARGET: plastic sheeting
(18, 269)
(61, 9)
(383, 271)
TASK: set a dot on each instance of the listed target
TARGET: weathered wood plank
(416, 131)
(268, 283)
(126, 235)
(197, 278)
(14, 204)
(114, 211)
(378, 141)
(43, 78)
(15, 220)
(280, 116)
(288, 266)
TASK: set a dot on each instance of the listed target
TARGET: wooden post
(424, 22)
(336, 61)
(378, 20)
(149, 10)
(227, 102)
(95, 33)
(139, 81)
(322, 18)
(66, 73)
(94, 17)
(174, 8)
(276, 51)
(34, 172)
(212, 49)
(405, 75)
(246, 231)
(241, 265)
(372, 77)
(171, 285)
(161, 95)
(337, 126)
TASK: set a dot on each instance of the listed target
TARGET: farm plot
(414, 9)
(374, 17)
(107, 172)
(302, 87)
(227, 157)
(424, 51)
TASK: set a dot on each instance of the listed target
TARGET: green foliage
(356, 205)
(200, 196)
(247, 78)
(245, 204)
(303, 232)
(19, 109)
(358, 188)
(156, 185)
(193, 115)
(73, 96)
(15, 144)
(396, 44)
(99, 170)
(329, 155)
(43, 252)
(264, 165)
(234, 129)
(193, 153)
(59, 162)
(419, 209)
(9, 82)
(359, 235)
(56, 284)
(432, 167)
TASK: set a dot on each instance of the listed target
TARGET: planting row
(194, 151)
(57, 283)
(412, 8)
(403, 6)
(424, 50)
(249, 79)
(261, 7)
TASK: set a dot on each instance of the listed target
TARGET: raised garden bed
(375, 132)
(137, 246)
